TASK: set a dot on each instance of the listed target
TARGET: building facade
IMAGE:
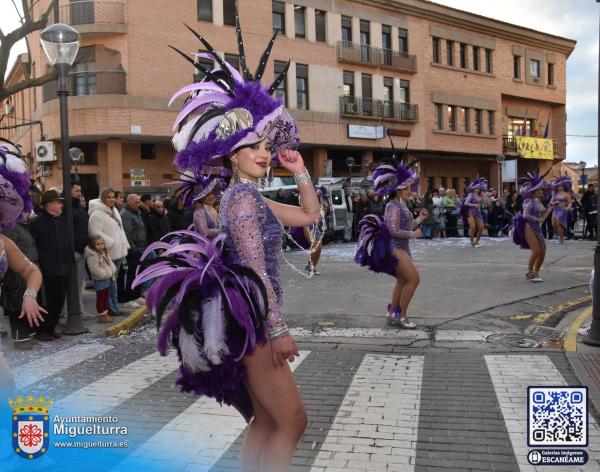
(450, 87)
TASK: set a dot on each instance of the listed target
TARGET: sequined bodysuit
(532, 210)
(560, 210)
(254, 237)
(398, 220)
(204, 223)
(473, 199)
(3, 261)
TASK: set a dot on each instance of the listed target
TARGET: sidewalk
(584, 359)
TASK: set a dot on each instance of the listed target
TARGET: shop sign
(366, 132)
(138, 178)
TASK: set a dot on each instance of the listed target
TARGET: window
(386, 43)
(388, 97)
(279, 17)
(83, 73)
(367, 93)
(550, 74)
(229, 12)
(534, 68)
(450, 53)
(517, 67)
(404, 91)
(346, 29)
(490, 116)
(205, 10)
(302, 86)
(365, 40)
(475, 58)
(320, 29)
(233, 59)
(90, 152)
(281, 90)
(451, 118)
(436, 50)
(147, 151)
(403, 40)
(206, 63)
(478, 116)
(489, 68)
(348, 83)
(439, 116)
(463, 55)
(464, 118)
(300, 21)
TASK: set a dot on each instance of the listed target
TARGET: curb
(570, 344)
(134, 318)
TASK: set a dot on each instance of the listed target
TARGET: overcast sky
(574, 19)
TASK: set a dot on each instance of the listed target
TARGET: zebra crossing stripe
(376, 426)
(105, 394)
(52, 364)
(511, 375)
(200, 434)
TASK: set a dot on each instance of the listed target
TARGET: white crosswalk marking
(376, 425)
(52, 364)
(511, 375)
(201, 434)
(105, 394)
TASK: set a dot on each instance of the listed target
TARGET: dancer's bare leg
(536, 250)
(407, 270)
(479, 230)
(257, 435)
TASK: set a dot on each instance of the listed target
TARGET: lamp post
(500, 159)
(582, 165)
(593, 337)
(61, 44)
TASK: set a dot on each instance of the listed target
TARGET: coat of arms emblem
(30, 426)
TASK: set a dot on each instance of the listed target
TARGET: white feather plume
(182, 138)
(213, 327)
(191, 356)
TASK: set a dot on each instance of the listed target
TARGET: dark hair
(146, 196)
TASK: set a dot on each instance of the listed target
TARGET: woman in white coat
(105, 221)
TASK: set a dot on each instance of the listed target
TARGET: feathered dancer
(563, 213)
(14, 177)
(470, 209)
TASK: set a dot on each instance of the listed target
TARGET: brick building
(451, 86)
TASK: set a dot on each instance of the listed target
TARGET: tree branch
(25, 84)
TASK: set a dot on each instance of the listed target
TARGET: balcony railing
(368, 107)
(364, 54)
(510, 146)
(90, 83)
(89, 12)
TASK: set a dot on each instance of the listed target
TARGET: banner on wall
(534, 148)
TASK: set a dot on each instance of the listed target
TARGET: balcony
(95, 18)
(509, 146)
(378, 57)
(90, 83)
(380, 109)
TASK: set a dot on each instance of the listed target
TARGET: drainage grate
(545, 332)
(522, 341)
(591, 364)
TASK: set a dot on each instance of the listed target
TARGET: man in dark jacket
(158, 222)
(589, 204)
(80, 240)
(179, 216)
(50, 232)
(135, 230)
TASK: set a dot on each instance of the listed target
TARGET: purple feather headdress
(228, 110)
(14, 185)
(478, 183)
(563, 180)
(388, 178)
(532, 183)
(194, 186)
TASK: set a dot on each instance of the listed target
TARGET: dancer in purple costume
(14, 203)
(222, 297)
(561, 205)
(470, 209)
(526, 227)
(383, 245)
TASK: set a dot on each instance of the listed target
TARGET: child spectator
(104, 272)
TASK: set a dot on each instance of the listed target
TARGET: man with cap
(50, 232)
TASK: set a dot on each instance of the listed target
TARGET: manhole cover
(522, 341)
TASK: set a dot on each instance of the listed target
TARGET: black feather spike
(241, 51)
(280, 78)
(208, 73)
(211, 50)
(260, 70)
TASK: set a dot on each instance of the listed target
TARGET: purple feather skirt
(466, 211)
(213, 312)
(374, 249)
(517, 228)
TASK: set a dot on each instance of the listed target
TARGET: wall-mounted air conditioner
(44, 151)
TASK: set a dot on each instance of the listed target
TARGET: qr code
(557, 416)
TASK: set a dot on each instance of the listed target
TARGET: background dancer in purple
(383, 246)
(222, 296)
(561, 205)
(470, 210)
(527, 225)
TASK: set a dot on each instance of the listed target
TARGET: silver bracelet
(278, 331)
(30, 293)
(302, 177)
